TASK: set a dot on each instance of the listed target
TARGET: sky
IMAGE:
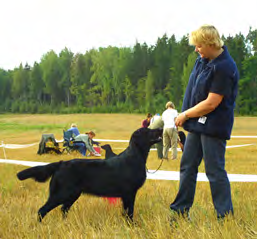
(31, 28)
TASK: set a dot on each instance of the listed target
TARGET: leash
(161, 160)
(156, 169)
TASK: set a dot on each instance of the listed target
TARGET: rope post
(4, 150)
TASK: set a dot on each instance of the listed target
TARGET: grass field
(92, 217)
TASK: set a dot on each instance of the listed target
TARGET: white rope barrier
(17, 146)
(20, 162)
(201, 177)
(244, 137)
(227, 147)
(21, 146)
(159, 175)
(238, 146)
(113, 140)
(235, 136)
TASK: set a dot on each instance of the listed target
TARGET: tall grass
(93, 217)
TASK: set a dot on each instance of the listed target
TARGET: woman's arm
(89, 145)
(204, 107)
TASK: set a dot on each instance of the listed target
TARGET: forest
(136, 79)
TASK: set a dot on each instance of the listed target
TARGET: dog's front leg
(128, 205)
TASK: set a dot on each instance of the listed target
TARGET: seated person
(84, 143)
(74, 129)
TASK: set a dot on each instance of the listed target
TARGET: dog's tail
(39, 173)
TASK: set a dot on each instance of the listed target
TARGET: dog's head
(145, 137)
(106, 147)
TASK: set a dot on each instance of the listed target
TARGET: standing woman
(146, 122)
(207, 115)
(170, 133)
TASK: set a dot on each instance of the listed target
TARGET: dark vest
(217, 76)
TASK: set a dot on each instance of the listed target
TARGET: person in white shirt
(170, 134)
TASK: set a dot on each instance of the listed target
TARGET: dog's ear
(139, 137)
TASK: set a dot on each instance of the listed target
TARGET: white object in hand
(97, 155)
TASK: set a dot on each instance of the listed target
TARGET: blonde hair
(170, 105)
(207, 35)
(73, 125)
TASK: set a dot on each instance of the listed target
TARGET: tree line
(135, 79)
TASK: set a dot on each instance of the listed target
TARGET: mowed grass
(93, 217)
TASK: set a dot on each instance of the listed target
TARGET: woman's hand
(95, 154)
(181, 119)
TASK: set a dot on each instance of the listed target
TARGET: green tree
(128, 90)
(139, 64)
(162, 62)
(65, 59)
(36, 86)
(102, 68)
(20, 83)
(5, 89)
(248, 87)
(187, 69)
(237, 49)
(141, 78)
(252, 38)
(78, 85)
(120, 71)
(149, 91)
(51, 75)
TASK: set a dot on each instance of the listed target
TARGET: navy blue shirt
(218, 76)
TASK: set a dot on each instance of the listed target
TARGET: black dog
(182, 139)
(108, 151)
(119, 176)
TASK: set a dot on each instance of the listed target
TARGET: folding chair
(48, 144)
(68, 142)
